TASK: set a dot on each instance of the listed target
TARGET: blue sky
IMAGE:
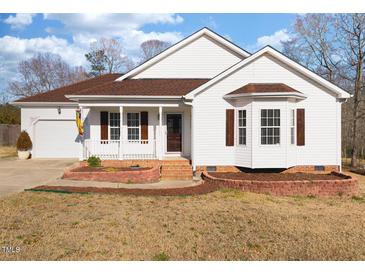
(69, 35)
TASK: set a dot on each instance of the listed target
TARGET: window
(133, 124)
(114, 126)
(292, 127)
(270, 126)
(242, 127)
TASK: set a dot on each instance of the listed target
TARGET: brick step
(175, 162)
(176, 173)
(182, 178)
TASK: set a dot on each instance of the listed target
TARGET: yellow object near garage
(80, 125)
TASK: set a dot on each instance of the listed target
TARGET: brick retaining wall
(328, 168)
(151, 175)
(345, 185)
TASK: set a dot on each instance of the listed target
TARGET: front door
(174, 130)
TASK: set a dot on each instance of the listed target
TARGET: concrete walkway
(16, 175)
(160, 185)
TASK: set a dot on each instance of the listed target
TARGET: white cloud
(84, 28)
(20, 20)
(125, 27)
(273, 40)
(14, 49)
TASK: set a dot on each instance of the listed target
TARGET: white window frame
(241, 127)
(111, 127)
(273, 126)
(292, 127)
(139, 126)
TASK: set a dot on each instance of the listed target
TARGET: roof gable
(340, 93)
(206, 33)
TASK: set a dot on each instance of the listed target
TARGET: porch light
(59, 109)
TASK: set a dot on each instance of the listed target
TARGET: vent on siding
(211, 168)
(319, 168)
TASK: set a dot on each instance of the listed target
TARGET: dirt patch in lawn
(274, 176)
(222, 225)
(192, 190)
(107, 169)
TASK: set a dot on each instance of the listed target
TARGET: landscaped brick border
(345, 185)
(145, 176)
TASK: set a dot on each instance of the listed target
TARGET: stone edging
(346, 186)
(146, 176)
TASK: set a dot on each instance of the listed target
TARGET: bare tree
(334, 47)
(107, 56)
(44, 72)
(151, 48)
(351, 34)
(313, 44)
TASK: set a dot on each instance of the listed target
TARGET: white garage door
(56, 139)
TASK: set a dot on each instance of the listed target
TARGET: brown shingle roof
(58, 95)
(146, 87)
(263, 87)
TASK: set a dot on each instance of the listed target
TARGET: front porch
(136, 131)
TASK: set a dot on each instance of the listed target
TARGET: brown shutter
(144, 125)
(300, 127)
(229, 127)
(104, 125)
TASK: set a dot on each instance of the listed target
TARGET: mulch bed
(192, 190)
(274, 176)
(107, 169)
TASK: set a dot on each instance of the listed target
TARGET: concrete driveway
(16, 175)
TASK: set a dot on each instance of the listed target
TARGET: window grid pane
(292, 126)
(133, 122)
(114, 125)
(242, 127)
(270, 126)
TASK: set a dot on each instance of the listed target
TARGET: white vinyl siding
(322, 134)
(202, 58)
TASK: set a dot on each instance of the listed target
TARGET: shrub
(24, 143)
(94, 161)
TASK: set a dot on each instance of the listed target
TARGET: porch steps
(176, 170)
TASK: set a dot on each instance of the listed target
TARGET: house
(204, 99)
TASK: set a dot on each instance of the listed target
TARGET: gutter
(43, 104)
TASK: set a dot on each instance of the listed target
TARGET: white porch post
(160, 135)
(121, 134)
(192, 150)
(82, 144)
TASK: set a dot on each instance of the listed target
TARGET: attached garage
(56, 139)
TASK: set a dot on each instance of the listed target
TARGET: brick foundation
(344, 186)
(311, 169)
(151, 175)
(201, 169)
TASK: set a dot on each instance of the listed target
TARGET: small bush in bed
(24, 143)
(94, 161)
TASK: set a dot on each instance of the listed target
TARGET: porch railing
(120, 149)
